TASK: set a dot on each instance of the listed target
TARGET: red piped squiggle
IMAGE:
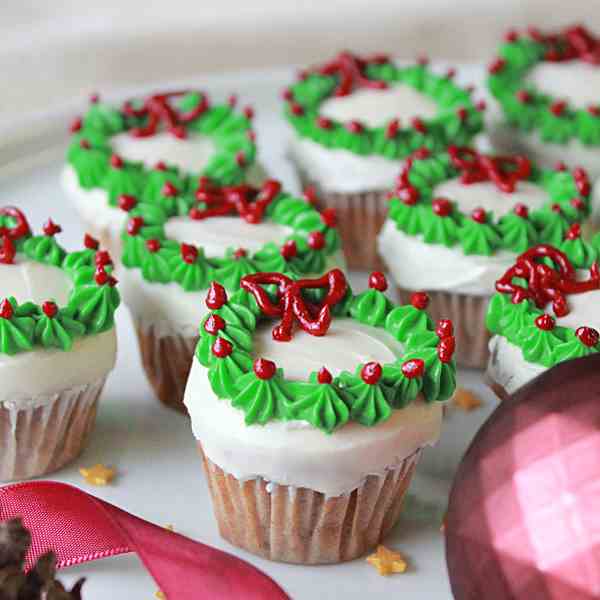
(8, 235)
(574, 43)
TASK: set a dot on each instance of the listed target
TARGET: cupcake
(173, 251)
(310, 406)
(153, 150)
(57, 345)
(548, 89)
(545, 311)
(355, 120)
(458, 220)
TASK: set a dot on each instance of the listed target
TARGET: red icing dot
(451, 73)
(287, 94)
(216, 297)
(232, 100)
(329, 217)
(7, 251)
(377, 281)
(134, 225)
(496, 66)
(90, 242)
(103, 278)
(481, 106)
(214, 324)
(419, 300)
(169, 190)
(248, 112)
(324, 376)
(264, 369)
(49, 309)
(289, 250)
(160, 166)
(240, 253)
(444, 328)
(251, 135)
(423, 60)
(178, 131)
(116, 161)
(479, 215)
(310, 195)
(462, 113)
(446, 349)
(545, 322)
(418, 125)
(511, 36)
(408, 195)
(240, 158)
(523, 96)
(50, 228)
(296, 109)
(316, 240)
(581, 181)
(103, 258)
(354, 127)
(76, 125)
(574, 232)
(84, 144)
(558, 108)
(95, 98)
(556, 208)
(588, 336)
(594, 110)
(521, 210)
(392, 129)
(413, 368)
(560, 166)
(324, 122)
(577, 203)
(127, 202)
(422, 153)
(371, 373)
(6, 309)
(222, 348)
(153, 245)
(189, 253)
(441, 207)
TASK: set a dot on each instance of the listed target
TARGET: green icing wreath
(517, 315)
(416, 210)
(459, 119)
(528, 108)
(307, 249)
(91, 156)
(92, 300)
(367, 396)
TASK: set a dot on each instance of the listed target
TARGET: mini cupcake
(57, 345)
(356, 120)
(310, 427)
(548, 88)
(173, 251)
(457, 221)
(153, 150)
(545, 311)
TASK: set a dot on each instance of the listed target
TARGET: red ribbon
(351, 72)
(575, 43)
(79, 527)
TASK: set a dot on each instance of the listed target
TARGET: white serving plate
(160, 475)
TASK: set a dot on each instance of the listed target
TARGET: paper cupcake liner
(468, 316)
(44, 438)
(167, 358)
(360, 218)
(303, 526)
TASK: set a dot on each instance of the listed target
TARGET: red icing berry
(545, 322)
(324, 376)
(232, 100)
(160, 166)
(422, 153)
(221, 348)
(556, 208)
(287, 94)
(49, 309)
(481, 106)
(574, 232)
(248, 112)
(324, 122)
(371, 373)
(521, 210)
(240, 253)
(316, 240)
(496, 66)
(413, 368)
(169, 190)
(76, 125)
(408, 195)
(153, 245)
(6, 309)
(594, 110)
(418, 125)
(116, 161)
(214, 324)
(451, 73)
(444, 328)
(577, 203)
(216, 297)
(103, 258)
(419, 300)
(310, 195)
(94, 98)
(189, 253)
(582, 182)
(50, 228)
(103, 278)
(560, 166)
(90, 242)
(329, 217)
(289, 250)
(392, 129)
(264, 369)
(558, 108)
(240, 158)
(134, 225)
(462, 113)
(479, 215)
(446, 348)
(422, 60)
(377, 281)
(354, 127)
(7, 251)
(588, 336)
(441, 207)
(296, 109)
(523, 96)
(178, 131)
(84, 144)
(127, 202)
(511, 36)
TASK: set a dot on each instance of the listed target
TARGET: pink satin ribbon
(80, 527)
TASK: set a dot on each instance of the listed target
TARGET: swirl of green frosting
(580, 252)
(58, 331)
(572, 347)
(371, 307)
(190, 276)
(402, 321)
(539, 345)
(44, 249)
(478, 238)
(95, 306)
(402, 390)
(224, 373)
(517, 234)
(17, 332)
(368, 403)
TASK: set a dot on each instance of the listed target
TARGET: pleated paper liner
(42, 439)
(167, 358)
(468, 317)
(303, 526)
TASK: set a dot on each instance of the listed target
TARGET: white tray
(160, 475)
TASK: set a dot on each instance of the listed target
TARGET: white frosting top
(190, 154)
(91, 357)
(415, 264)
(575, 81)
(295, 453)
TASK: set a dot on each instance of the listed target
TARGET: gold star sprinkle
(170, 527)
(387, 561)
(160, 595)
(466, 400)
(98, 474)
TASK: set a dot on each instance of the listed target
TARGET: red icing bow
(248, 202)
(544, 283)
(504, 171)
(315, 319)
(8, 235)
(575, 43)
(158, 109)
(351, 72)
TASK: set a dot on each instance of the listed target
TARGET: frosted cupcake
(355, 120)
(545, 311)
(548, 88)
(310, 406)
(173, 251)
(152, 150)
(57, 345)
(457, 221)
